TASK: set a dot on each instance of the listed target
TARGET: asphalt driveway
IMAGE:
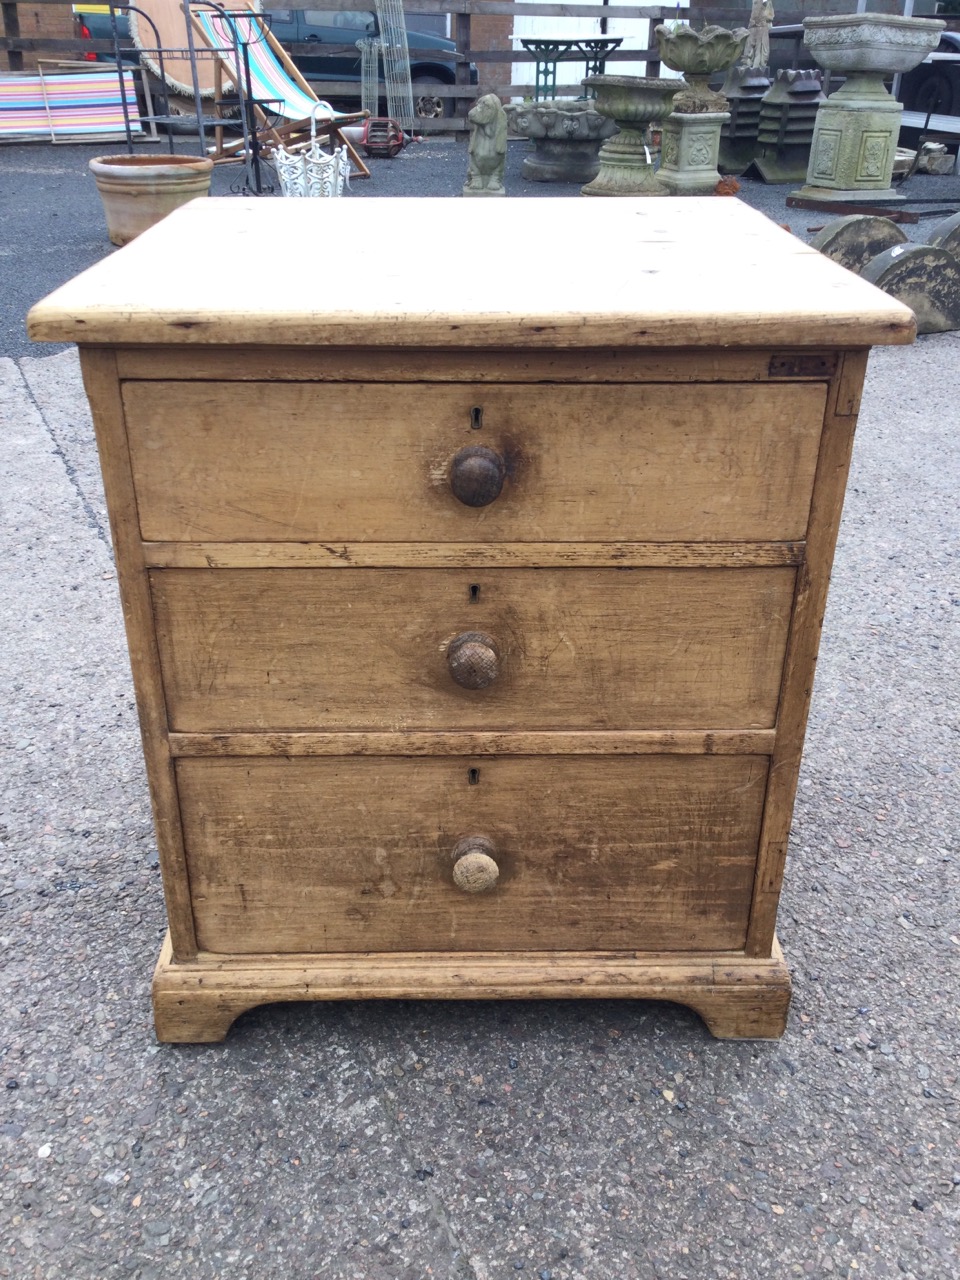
(478, 1141)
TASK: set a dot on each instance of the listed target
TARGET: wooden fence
(461, 95)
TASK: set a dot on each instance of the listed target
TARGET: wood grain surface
(655, 853)
(261, 649)
(575, 742)
(239, 363)
(471, 555)
(737, 997)
(103, 391)
(676, 272)
(354, 463)
(813, 580)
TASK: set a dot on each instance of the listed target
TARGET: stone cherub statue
(488, 147)
(756, 53)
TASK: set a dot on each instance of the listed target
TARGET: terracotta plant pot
(138, 191)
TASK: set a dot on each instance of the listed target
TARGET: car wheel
(933, 93)
(426, 105)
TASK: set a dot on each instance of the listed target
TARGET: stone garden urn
(566, 137)
(855, 138)
(633, 102)
(691, 135)
(699, 55)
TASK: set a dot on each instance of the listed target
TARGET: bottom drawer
(650, 853)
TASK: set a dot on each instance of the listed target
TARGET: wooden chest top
(510, 273)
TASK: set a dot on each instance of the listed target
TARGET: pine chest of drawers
(473, 596)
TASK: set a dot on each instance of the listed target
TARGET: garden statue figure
(756, 53)
(488, 147)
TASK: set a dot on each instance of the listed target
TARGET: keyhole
(474, 592)
(476, 418)
(473, 777)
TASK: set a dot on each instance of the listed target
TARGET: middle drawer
(450, 649)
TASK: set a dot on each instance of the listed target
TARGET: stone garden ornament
(925, 277)
(744, 86)
(854, 143)
(488, 147)
(756, 52)
(699, 55)
(566, 137)
(633, 103)
(691, 134)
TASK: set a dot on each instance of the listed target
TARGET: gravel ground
(563, 1141)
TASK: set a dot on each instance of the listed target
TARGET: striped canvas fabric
(81, 104)
(268, 80)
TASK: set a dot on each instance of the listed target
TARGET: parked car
(935, 86)
(331, 27)
(324, 27)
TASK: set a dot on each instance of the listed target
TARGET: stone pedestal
(626, 165)
(626, 168)
(566, 137)
(854, 143)
(688, 157)
(563, 160)
(691, 136)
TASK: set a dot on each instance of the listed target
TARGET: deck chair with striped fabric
(283, 101)
(68, 108)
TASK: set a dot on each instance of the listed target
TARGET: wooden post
(11, 29)
(462, 38)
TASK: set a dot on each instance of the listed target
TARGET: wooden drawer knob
(473, 659)
(476, 475)
(474, 867)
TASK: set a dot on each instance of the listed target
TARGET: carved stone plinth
(854, 144)
(689, 152)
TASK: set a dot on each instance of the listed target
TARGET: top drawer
(354, 462)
